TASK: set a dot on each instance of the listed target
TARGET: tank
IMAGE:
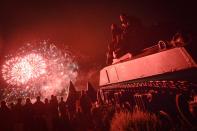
(160, 80)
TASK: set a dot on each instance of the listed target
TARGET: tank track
(167, 96)
(180, 86)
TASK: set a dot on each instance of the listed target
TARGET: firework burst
(38, 69)
(20, 70)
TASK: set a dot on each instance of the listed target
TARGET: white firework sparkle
(20, 70)
(39, 69)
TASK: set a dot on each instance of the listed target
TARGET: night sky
(84, 25)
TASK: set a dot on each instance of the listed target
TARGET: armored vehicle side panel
(164, 81)
(168, 61)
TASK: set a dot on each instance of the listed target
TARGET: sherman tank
(160, 79)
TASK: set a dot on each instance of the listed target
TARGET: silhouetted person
(63, 107)
(5, 117)
(64, 121)
(116, 47)
(28, 115)
(71, 105)
(11, 107)
(47, 114)
(125, 23)
(46, 106)
(18, 115)
(39, 107)
(116, 34)
(85, 103)
(54, 106)
(129, 23)
(132, 36)
(97, 117)
(39, 115)
(54, 111)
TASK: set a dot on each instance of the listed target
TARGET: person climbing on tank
(114, 45)
(131, 32)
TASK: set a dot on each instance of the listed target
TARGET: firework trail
(38, 69)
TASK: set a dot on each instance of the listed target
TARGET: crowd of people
(50, 115)
(58, 114)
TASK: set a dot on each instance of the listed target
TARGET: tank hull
(163, 82)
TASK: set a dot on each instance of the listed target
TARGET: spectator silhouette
(85, 103)
(63, 107)
(39, 115)
(5, 117)
(54, 112)
(71, 101)
(28, 115)
(64, 121)
(47, 114)
(18, 115)
(46, 107)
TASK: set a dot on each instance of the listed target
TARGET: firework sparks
(18, 71)
(42, 69)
